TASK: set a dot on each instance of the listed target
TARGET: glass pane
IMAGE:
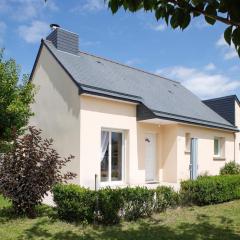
(216, 146)
(116, 156)
(104, 156)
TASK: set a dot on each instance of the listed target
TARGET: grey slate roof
(165, 98)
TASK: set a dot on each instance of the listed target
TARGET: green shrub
(165, 198)
(138, 202)
(109, 204)
(230, 168)
(210, 190)
(74, 203)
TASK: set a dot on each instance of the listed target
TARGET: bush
(230, 168)
(108, 206)
(74, 203)
(29, 170)
(138, 202)
(210, 190)
(109, 202)
(165, 198)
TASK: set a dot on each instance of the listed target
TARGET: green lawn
(210, 222)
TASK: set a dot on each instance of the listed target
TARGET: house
(126, 126)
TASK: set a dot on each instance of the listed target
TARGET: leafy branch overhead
(179, 13)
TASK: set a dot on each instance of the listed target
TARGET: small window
(217, 147)
(187, 142)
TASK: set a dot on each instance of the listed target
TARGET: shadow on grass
(7, 213)
(145, 229)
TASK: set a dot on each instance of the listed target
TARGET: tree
(179, 13)
(15, 100)
(29, 170)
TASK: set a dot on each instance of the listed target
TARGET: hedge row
(108, 206)
(210, 190)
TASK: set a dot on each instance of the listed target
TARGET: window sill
(216, 158)
(112, 184)
(187, 152)
(151, 182)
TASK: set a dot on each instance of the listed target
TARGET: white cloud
(34, 32)
(3, 27)
(210, 67)
(200, 82)
(90, 5)
(229, 51)
(23, 10)
(159, 27)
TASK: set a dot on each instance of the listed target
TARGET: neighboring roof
(224, 106)
(165, 98)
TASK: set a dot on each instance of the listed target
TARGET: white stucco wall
(57, 109)
(237, 141)
(206, 161)
(97, 113)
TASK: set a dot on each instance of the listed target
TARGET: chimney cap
(53, 26)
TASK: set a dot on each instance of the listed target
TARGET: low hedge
(108, 206)
(210, 190)
(137, 202)
(74, 203)
(165, 198)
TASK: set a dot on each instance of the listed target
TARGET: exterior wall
(206, 161)
(169, 153)
(97, 113)
(57, 109)
(237, 140)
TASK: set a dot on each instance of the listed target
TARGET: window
(112, 156)
(219, 147)
(187, 142)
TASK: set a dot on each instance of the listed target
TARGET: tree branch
(218, 18)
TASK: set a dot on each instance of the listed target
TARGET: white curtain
(104, 143)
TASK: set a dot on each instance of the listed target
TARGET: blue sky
(197, 57)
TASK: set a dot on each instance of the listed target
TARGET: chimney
(63, 40)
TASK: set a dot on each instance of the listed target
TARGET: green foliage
(210, 190)
(138, 202)
(109, 205)
(15, 99)
(29, 170)
(74, 203)
(181, 12)
(230, 168)
(166, 197)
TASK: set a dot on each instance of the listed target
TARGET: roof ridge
(134, 68)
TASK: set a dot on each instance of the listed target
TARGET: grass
(194, 223)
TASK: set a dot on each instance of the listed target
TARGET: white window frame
(219, 147)
(110, 182)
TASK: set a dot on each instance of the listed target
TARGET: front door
(150, 156)
(193, 158)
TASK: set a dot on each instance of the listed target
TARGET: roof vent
(64, 40)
